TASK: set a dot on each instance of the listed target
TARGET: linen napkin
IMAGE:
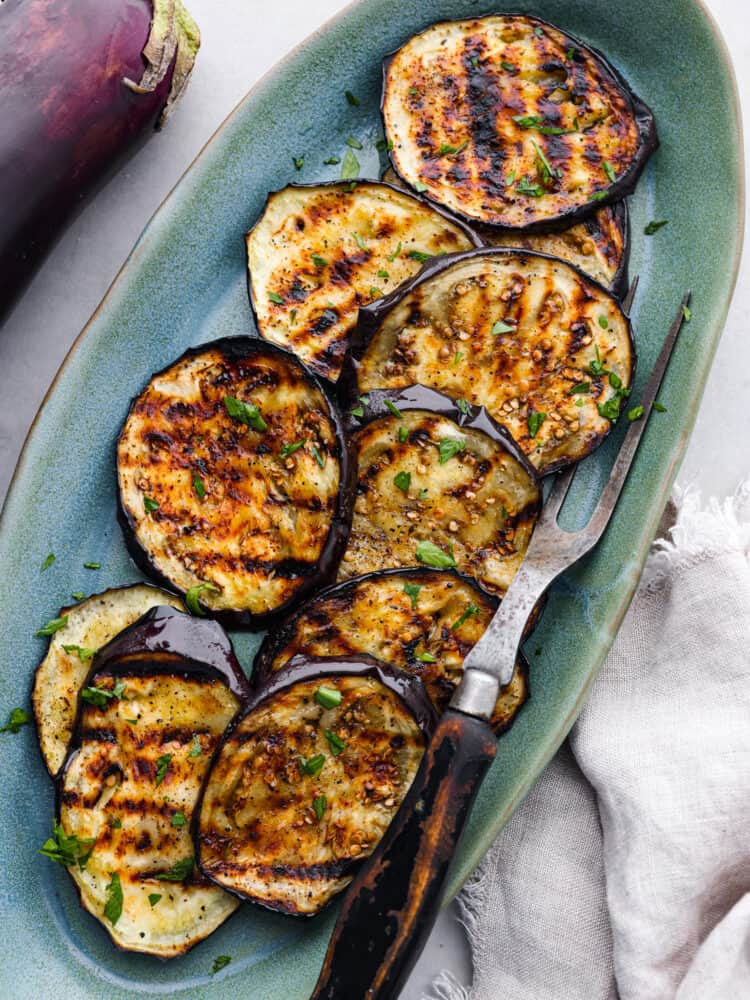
(626, 871)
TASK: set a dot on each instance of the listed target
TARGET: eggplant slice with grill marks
(599, 245)
(509, 121)
(61, 674)
(235, 481)
(547, 351)
(441, 485)
(156, 703)
(319, 252)
(307, 780)
(423, 621)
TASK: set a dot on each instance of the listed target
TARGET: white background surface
(241, 40)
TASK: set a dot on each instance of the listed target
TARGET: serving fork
(390, 908)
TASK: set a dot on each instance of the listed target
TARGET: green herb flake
(448, 448)
(382, 273)
(525, 186)
(199, 486)
(659, 408)
(375, 292)
(420, 256)
(543, 164)
(17, 718)
(432, 555)
(402, 481)
(508, 66)
(78, 595)
(603, 323)
(403, 435)
(382, 145)
(423, 494)
(472, 609)
(463, 406)
(474, 62)
(319, 261)
(82, 652)
(358, 411)
(420, 187)
(67, 850)
(192, 596)
(614, 380)
(510, 178)
(636, 413)
(457, 357)
(179, 872)
(220, 962)
(610, 409)
(332, 161)
(412, 592)
(350, 166)
(538, 32)
(328, 697)
(195, 748)
(312, 766)
(596, 367)
(359, 241)
(115, 823)
(246, 413)
(276, 298)
(393, 409)
(289, 449)
(335, 742)
(354, 101)
(600, 195)
(654, 226)
(113, 906)
(153, 898)
(394, 255)
(501, 327)
(426, 657)
(353, 143)
(162, 766)
(320, 803)
(579, 388)
(535, 421)
(570, 54)
(317, 456)
(179, 819)
(53, 625)
(609, 171)
(687, 313)
(527, 121)
(48, 561)
(150, 505)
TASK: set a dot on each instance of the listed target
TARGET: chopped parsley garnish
(113, 906)
(420, 186)
(353, 143)
(332, 161)
(538, 32)
(358, 411)
(162, 766)
(382, 145)
(463, 406)
(320, 802)
(659, 408)
(420, 255)
(448, 150)
(654, 226)
(501, 327)
(403, 435)
(471, 610)
(334, 742)
(609, 171)
(179, 819)
(600, 195)
(402, 481)
(412, 592)
(458, 356)
(48, 561)
(508, 66)
(525, 186)
(319, 261)
(596, 367)
(448, 448)
(292, 315)
(220, 962)
(610, 409)
(636, 413)
(179, 872)
(375, 292)
(92, 565)
(78, 595)
(535, 421)
(527, 121)
(199, 486)
(53, 625)
(474, 62)
(298, 161)
(393, 409)
(289, 449)
(426, 657)
(509, 178)
(423, 494)
(317, 456)
(570, 54)
(350, 166)
(150, 505)
(543, 164)
(99, 695)
(359, 241)
(615, 381)
(354, 101)
(687, 313)
(192, 595)
(153, 898)
(67, 850)
(115, 823)
(579, 388)
(603, 323)
(392, 256)
(382, 273)
(312, 765)
(246, 413)
(275, 297)
(17, 718)
(328, 697)
(83, 653)
(432, 555)
(195, 748)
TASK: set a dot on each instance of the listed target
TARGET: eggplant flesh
(131, 784)
(423, 621)
(233, 476)
(308, 779)
(422, 478)
(509, 121)
(548, 352)
(61, 674)
(319, 253)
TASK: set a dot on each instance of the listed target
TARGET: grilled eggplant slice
(150, 718)
(61, 674)
(599, 245)
(432, 474)
(424, 621)
(306, 782)
(508, 120)
(318, 253)
(547, 351)
(235, 480)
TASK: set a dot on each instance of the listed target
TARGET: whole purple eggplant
(82, 85)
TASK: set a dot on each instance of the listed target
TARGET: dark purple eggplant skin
(66, 118)
(340, 523)
(644, 117)
(304, 668)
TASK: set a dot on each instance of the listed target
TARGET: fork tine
(556, 496)
(627, 302)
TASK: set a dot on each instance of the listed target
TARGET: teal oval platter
(184, 283)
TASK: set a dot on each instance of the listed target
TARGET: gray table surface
(241, 40)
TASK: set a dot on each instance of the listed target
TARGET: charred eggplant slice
(547, 351)
(440, 485)
(306, 782)
(61, 674)
(318, 253)
(508, 120)
(150, 718)
(599, 245)
(234, 480)
(423, 621)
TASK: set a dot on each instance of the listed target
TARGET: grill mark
(98, 734)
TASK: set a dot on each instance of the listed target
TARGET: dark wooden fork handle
(391, 906)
